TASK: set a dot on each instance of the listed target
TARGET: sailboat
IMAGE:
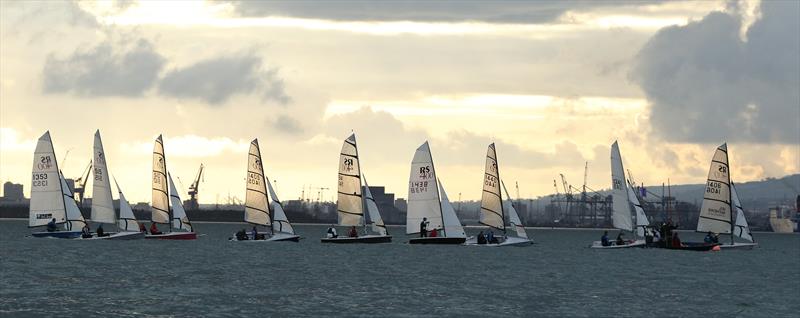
(719, 203)
(350, 202)
(425, 205)
(160, 205)
(49, 194)
(102, 201)
(257, 208)
(626, 208)
(493, 210)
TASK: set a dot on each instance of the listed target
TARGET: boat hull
(172, 236)
(279, 237)
(599, 245)
(509, 241)
(369, 239)
(60, 234)
(119, 236)
(738, 246)
(694, 246)
(438, 240)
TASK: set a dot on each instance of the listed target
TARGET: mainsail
(620, 197)
(256, 209)
(423, 194)
(715, 213)
(742, 229)
(513, 217)
(349, 202)
(452, 226)
(160, 204)
(47, 200)
(75, 220)
(179, 218)
(102, 202)
(127, 221)
(280, 224)
(492, 213)
(372, 209)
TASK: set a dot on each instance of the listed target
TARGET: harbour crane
(80, 183)
(194, 190)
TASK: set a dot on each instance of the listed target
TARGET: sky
(552, 83)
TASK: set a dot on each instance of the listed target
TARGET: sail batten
(160, 196)
(256, 205)
(349, 204)
(716, 213)
(102, 201)
(47, 201)
(423, 192)
(492, 213)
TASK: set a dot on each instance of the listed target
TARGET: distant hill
(770, 191)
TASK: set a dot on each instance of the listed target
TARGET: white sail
(641, 218)
(75, 220)
(102, 201)
(492, 213)
(715, 213)
(179, 219)
(513, 217)
(256, 209)
(742, 229)
(452, 226)
(621, 215)
(423, 194)
(160, 203)
(280, 222)
(372, 208)
(127, 221)
(349, 204)
(47, 200)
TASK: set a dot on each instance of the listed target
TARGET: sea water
(558, 277)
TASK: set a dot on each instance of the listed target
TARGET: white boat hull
(508, 241)
(738, 246)
(637, 243)
(277, 237)
(121, 236)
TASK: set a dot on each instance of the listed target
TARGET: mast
(730, 193)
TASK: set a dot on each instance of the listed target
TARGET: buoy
(715, 248)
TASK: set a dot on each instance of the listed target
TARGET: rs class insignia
(348, 164)
(44, 163)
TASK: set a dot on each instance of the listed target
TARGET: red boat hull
(173, 236)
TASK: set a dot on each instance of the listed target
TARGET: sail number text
(39, 180)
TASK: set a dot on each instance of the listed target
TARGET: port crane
(80, 183)
(194, 191)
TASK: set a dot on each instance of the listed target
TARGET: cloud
(10, 141)
(518, 12)
(104, 70)
(191, 146)
(218, 79)
(287, 125)
(708, 84)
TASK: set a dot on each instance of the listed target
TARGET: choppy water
(557, 277)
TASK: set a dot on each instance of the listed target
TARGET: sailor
(434, 233)
(676, 241)
(481, 238)
(620, 240)
(423, 227)
(353, 232)
(332, 232)
(715, 238)
(648, 237)
(604, 240)
(142, 228)
(490, 238)
(51, 226)
(241, 235)
(709, 238)
(100, 232)
(154, 229)
(255, 233)
(85, 232)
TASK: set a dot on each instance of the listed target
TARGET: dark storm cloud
(706, 84)
(104, 70)
(216, 80)
(523, 12)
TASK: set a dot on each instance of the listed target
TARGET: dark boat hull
(361, 239)
(694, 246)
(437, 240)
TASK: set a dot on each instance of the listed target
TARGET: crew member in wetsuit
(423, 228)
(86, 232)
(353, 232)
(481, 238)
(142, 228)
(51, 226)
(620, 240)
(100, 232)
(332, 232)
